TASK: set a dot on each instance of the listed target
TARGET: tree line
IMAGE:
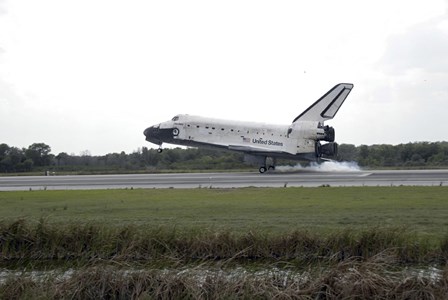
(38, 157)
(421, 154)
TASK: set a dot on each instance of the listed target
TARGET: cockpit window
(175, 118)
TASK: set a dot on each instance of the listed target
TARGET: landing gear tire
(160, 150)
(271, 168)
(262, 170)
(175, 132)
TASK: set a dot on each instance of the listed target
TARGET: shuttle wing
(248, 148)
(254, 150)
(328, 105)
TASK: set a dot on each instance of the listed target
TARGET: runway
(228, 180)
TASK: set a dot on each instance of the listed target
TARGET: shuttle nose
(152, 134)
(147, 131)
(157, 135)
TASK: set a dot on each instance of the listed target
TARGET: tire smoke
(327, 166)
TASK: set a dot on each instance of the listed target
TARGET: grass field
(420, 209)
(282, 243)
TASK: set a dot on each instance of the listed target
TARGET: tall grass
(350, 279)
(23, 242)
(137, 262)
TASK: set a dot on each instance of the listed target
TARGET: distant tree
(4, 148)
(86, 158)
(62, 158)
(406, 152)
(417, 160)
(4, 160)
(85, 153)
(440, 156)
(11, 159)
(17, 155)
(6, 164)
(389, 155)
(172, 155)
(39, 153)
(123, 159)
(347, 152)
(25, 166)
(364, 155)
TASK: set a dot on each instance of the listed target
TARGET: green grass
(272, 210)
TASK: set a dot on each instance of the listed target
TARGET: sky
(91, 75)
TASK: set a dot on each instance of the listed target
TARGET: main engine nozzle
(329, 134)
(330, 149)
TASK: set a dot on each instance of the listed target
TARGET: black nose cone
(152, 134)
(147, 132)
(157, 135)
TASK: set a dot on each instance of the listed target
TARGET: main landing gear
(263, 169)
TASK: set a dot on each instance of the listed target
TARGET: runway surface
(227, 180)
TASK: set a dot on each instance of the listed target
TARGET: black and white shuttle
(306, 138)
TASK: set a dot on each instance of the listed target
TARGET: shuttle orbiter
(261, 143)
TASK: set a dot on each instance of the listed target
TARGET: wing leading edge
(328, 105)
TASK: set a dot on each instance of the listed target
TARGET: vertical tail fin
(328, 105)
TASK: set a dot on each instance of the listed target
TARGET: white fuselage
(195, 130)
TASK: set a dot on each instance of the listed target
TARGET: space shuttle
(306, 138)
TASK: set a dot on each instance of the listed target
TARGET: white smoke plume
(327, 166)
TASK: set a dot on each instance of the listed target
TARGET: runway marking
(365, 175)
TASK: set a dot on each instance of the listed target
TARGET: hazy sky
(92, 75)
